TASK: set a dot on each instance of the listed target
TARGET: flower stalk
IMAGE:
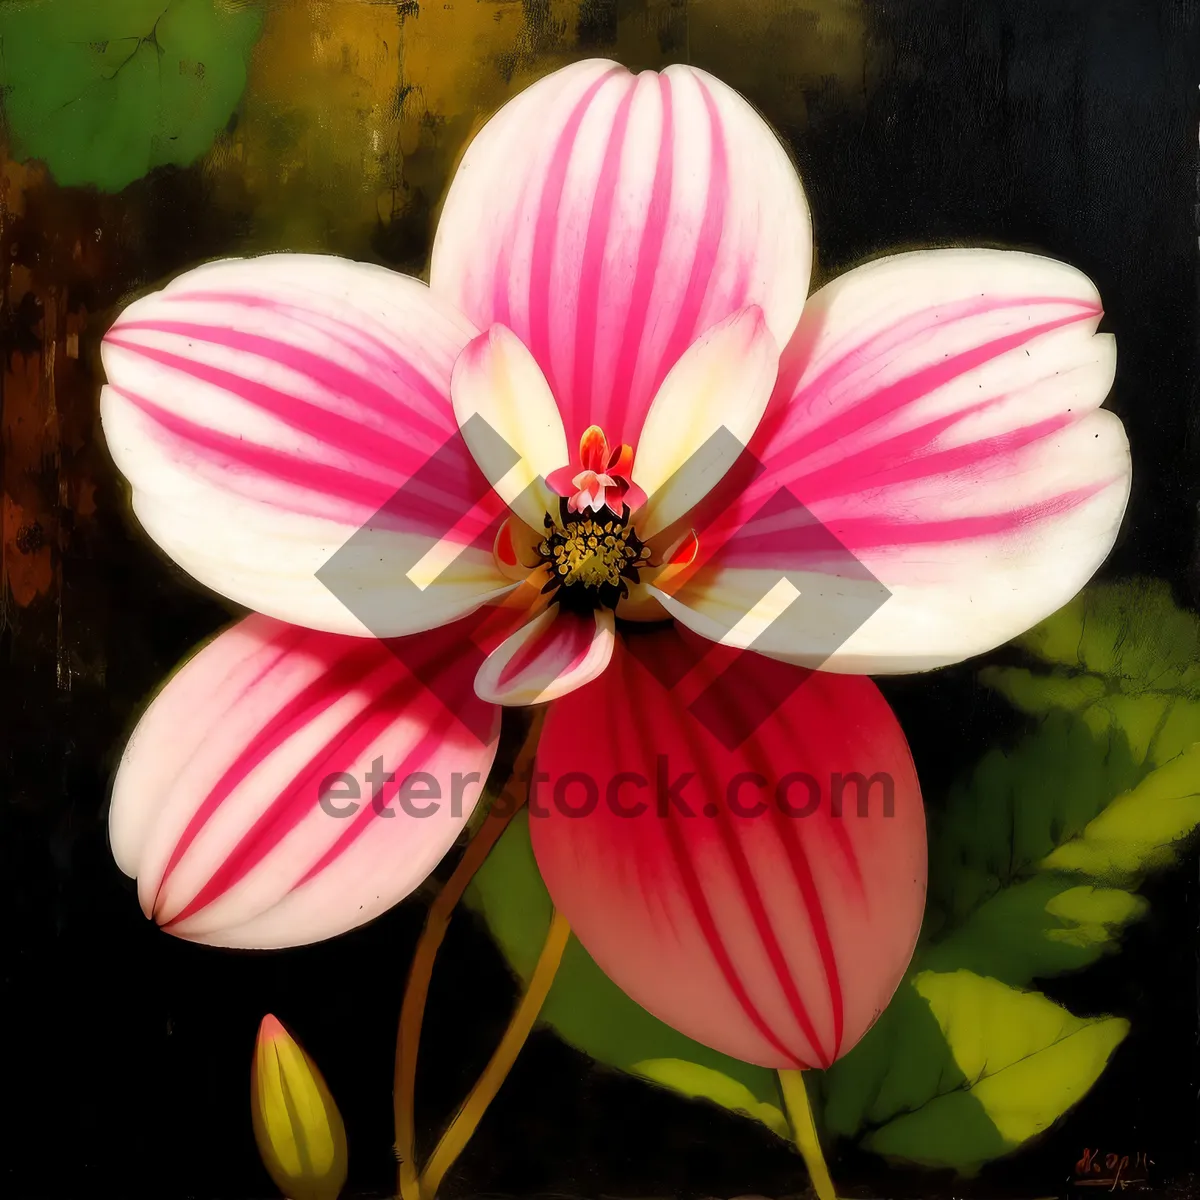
(804, 1131)
(412, 1010)
(459, 1132)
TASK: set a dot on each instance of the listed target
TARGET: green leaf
(1122, 656)
(1037, 928)
(1132, 633)
(1034, 859)
(589, 1011)
(1124, 659)
(967, 1069)
(692, 1079)
(999, 828)
(1141, 830)
(105, 92)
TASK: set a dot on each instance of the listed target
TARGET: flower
(612, 402)
(297, 1125)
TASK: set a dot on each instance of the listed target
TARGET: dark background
(1066, 127)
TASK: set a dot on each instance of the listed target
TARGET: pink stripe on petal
(748, 929)
(372, 399)
(609, 219)
(809, 381)
(290, 808)
(546, 225)
(376, 349)
(588, 317)
(341, 433)
(555, 653)
(712, 228)
(360, 824)
(267, 411)
(753, 899)
(868, 533)
(344, 669)
(340, 493)
(702, 912)
(216, 807)
(645, 749)
(910, 390)
(912, 454)
(934, 425)
(650, 247)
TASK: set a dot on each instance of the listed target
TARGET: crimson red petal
(774, 937)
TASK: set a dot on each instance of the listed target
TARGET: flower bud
(297, 1126)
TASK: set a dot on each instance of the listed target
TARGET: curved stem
(804, 1130)
(454, 1140)
(412, 1011)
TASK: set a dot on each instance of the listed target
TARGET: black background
(1065, 127)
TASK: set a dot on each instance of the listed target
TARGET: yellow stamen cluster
(593, 553)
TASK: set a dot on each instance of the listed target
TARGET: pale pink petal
(739, 893)
(609, 219)
(265, 410)
(510, 422)
(217, 806)
(935, 424)
(703, 417)
(552, 655)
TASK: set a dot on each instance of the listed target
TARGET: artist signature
(1097, 1169)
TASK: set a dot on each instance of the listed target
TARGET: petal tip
(271, 1029)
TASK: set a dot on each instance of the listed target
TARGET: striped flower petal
(555, 653)
(936, 419)
(703, 416)
(608, 219)
(509, 421)
(763, 900)
(288, 785)
(267, 410)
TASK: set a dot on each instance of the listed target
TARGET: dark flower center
(593, 556)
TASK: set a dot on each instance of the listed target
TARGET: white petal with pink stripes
(265, 410)
(703, 416)
(217, 811)
(937, 413)
(609, 219)
(552, 655)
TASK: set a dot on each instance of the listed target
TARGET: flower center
(592, 557)
(590, 545)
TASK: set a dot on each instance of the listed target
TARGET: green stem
(459, 1132)
(412, 1011)
(804, 1130)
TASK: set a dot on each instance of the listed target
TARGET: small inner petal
(604, 478)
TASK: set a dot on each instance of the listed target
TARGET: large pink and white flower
(617, 321)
